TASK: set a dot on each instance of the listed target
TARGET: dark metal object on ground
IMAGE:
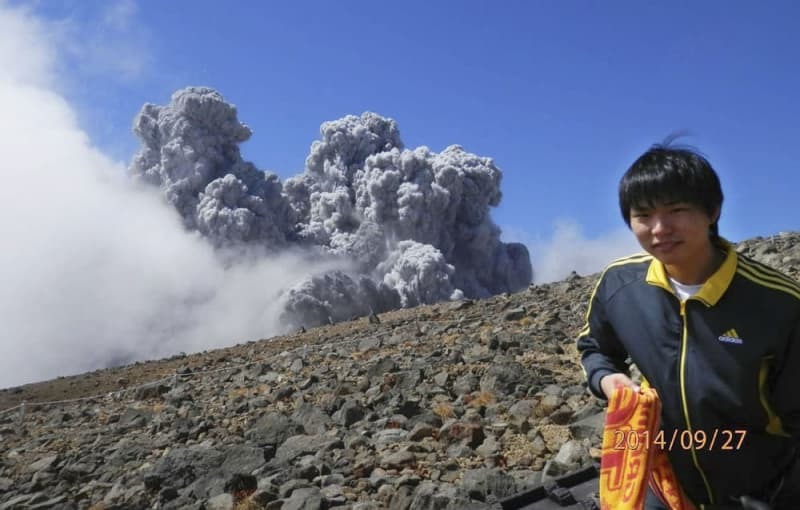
(576, 490)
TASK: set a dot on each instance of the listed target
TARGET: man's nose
(661, 225)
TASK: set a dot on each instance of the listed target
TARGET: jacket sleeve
(600, 349)
(785, 395)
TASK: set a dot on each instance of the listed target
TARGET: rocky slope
(453, 405)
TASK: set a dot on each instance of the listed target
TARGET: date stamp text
(719, 439)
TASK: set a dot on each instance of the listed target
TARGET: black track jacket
(727, 359)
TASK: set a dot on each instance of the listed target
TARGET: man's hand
(611, 381)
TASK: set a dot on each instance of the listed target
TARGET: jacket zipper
(682, 378)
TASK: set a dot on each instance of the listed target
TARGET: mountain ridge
(763, 249)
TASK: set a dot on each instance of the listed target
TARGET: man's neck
(698, 273)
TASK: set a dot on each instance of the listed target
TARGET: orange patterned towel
(664, 484)
(630, 459)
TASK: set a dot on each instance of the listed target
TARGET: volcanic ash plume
(190, 149)
(404, 227)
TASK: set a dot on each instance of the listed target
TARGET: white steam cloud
(93, 269)
(569, 249)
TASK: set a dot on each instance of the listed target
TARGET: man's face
(676, 233)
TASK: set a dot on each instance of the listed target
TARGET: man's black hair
(668, 174)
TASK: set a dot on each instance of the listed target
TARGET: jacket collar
(713, 289)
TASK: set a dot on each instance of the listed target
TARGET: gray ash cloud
(402, 227)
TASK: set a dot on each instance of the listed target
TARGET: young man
(716, 334)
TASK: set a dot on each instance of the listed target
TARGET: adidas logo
(730, 337)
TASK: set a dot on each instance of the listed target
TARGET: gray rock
(425, 418)
(333, 495)
(16, 502)
(272, 429)
(554, 469)
(589, 427)
(366, 344)
(263, 497)
(59, 502)
(515, 314)
(257, 403)
(297, 365)
(408, 381)
(389, 436)
(459, 451)
(116, 493)
(465, 384)
(150, 392)
(286, 489)
(397, 460)
(332, 479)
(242, 459)
(45, 463)
(538, 447)
(308, 468)
(6, 484)
(296, 446)
(76, 472)
(366, 506)
(485, 483)
(503, 377)
(221, 502)
(478, 354)
(520, 412)
(489, 448)
(553, 389)
(126, 450)
(430, 496)
(420, 432)
(548, 405)
(312, 419)
(177, 396)
(308, 498)
(469, 434)
(181, 467)
(384, 366)
(401, 498)
(350, 413)
(572, 452)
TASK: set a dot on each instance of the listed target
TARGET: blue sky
(563, 95)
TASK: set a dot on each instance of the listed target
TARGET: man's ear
(715, 215)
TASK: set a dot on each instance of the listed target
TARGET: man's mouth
(665, 245)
